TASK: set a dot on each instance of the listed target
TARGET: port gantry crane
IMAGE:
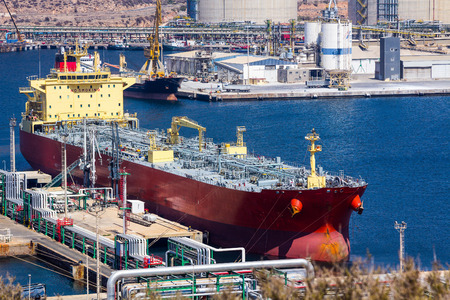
(19, 36)
(153, 67)
(177, 123)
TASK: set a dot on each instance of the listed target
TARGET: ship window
(89, 105)
(111, 114)
(49, 106)
(62, 77)
(73, 115)
(117, 113)
(85, 77)
(109, 95)
(68, 116)
(78, 115)
(78, 86)
(78, 96)
(59, 97)
(119, 104)
(104, 76)
(81, 105)
(91, 77)
(59, 87)
(86, 115)
(114, 85)
(54, 87)
(91, 96)
(67, 87)
(91, 87)
(95, 115)
(79, 78)
(99, 105)
(109, 85)
(101, 95)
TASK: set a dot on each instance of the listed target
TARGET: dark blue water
(399, 145)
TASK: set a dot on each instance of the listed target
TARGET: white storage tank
(336, 46)
(312, 33)
(258, 11)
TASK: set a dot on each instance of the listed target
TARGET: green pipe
(63, 235)
(104, 249)
(95, 250)
(84, 245)
(73, 240)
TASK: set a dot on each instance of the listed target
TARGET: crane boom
(153, 66)
(19, 36)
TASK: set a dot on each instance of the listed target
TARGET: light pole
(401, 229)
(87, 272)
(29, 286)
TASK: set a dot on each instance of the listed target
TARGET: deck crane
(177, 123)
(153, 66)
(240, 135)
(19, 36)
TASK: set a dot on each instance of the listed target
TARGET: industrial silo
(215, 11)
(312, 33)
(336, 46)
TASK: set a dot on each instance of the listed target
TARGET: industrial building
(257, 11)
(369, 12)
(251, 69)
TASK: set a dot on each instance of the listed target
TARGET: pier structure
(42, 210)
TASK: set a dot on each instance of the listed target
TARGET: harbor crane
(177, 123)
(153, 67)
(19, 36)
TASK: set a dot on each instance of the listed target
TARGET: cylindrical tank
(336, 46)
(312, 33)
(258, 11)
(192, 9)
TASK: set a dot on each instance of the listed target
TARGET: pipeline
(287, 263)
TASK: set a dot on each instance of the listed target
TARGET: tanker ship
(263, 204)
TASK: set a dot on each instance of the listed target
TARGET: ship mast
(314, 181)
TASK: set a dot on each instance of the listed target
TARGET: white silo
(312, 33)
(215, 11)
(336, 46)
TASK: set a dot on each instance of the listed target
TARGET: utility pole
(64, 163)
(87, 272)
(400, 227)
(12, 143)
(97, 248)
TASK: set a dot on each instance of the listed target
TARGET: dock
(215, 92)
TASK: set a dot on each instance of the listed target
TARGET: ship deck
(247, 173)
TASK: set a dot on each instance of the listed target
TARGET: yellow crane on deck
(177, 123)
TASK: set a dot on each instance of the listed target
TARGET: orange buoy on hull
(296, 206)
(357, 204)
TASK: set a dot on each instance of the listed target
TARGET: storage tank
(215, 11)
(312, 33)
(192, 9)
(336, 46)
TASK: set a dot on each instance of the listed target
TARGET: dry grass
(9, 290)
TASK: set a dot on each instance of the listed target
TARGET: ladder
(58, 177)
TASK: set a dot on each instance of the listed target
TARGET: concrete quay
(53, 252)
(298, 91)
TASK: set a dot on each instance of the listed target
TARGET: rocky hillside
(124, 13)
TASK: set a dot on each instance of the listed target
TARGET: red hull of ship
(261, 222)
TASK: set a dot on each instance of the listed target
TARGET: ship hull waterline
(262, 222)
(161, 89)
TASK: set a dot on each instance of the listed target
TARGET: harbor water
(400, 146)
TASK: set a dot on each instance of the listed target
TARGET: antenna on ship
(12, 143)
(314, 181)
(401, 229)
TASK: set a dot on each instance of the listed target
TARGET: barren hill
(124, 13)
